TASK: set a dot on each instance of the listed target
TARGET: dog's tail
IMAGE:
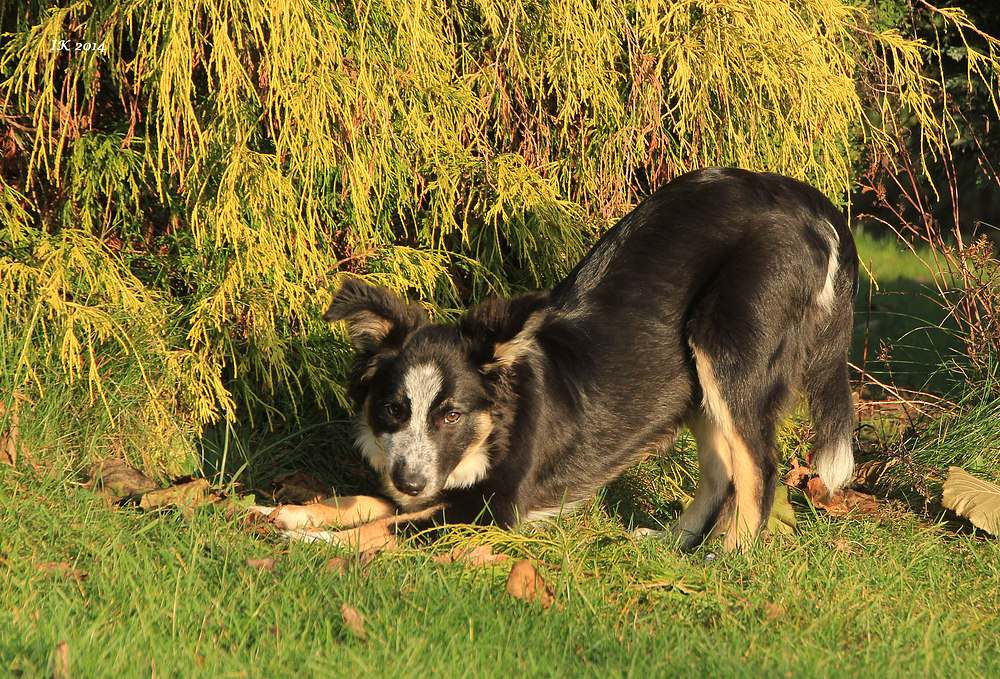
(831, 406)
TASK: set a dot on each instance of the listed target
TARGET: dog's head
(427, 395)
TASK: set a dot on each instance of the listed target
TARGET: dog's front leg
(380, 534)
(342, 512)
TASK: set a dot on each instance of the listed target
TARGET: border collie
(709, 306)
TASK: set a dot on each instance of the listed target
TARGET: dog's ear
(504, 329)
(376, 317)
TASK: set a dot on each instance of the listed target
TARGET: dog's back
(710, 305)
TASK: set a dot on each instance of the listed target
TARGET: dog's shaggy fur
(708, 306)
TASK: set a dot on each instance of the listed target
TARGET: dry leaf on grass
(337, 565)
(975, 499)
(297, 488)
(841, 501)
(250, 521)
(471, 556)
(354, 621)
(186, 496)
(62, 569)
(60, 661)
(10, 438)
(340, 565)
(773, 611)
(525, 583)
(116, 480)
(263, 564)
(798, 475)
(869, 474)
(366, 557)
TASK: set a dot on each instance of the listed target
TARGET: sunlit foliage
(180, 197)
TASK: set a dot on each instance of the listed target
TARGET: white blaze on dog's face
(424, 426)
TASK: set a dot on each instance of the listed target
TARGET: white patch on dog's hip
(826, 295)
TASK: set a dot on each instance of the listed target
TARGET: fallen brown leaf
(60, 661)
(868, 474)
(845, 547)
(526, 583)
(116, 480)
(61, 568)
(250, 521)
(185, 496)
(10, 437)
(263, 564)
(355, 621)
(366, 557)
(337, 565)
(340, 565)
(773, 611)
(798, 475)
(297, 488)
(471, 556)
(974, 498)
(841, 501)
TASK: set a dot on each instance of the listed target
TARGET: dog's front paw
(378, 535)
(288, 517)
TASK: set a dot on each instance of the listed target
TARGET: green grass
(901, 315)
(157, 594)
(161, 595)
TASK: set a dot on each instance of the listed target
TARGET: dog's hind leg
(744, 411)
(715, 483)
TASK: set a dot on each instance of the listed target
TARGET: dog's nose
(408, 481)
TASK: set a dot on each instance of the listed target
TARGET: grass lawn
(156, 594)
(92, 589)
(900, 317)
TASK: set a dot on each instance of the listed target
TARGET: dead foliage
(471, 556)
(263, 564)
(184, 496)
(973, 498)
(62, 569)
(10, 440)
(60, 661)
(296, 488)
(116, 480)
(354, 621)
(526, 583)
(841, 502)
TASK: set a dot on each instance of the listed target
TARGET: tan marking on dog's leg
(714, 476)
(355, 509)
(748, 486)
(375, 535)
(745, 521)
(336, 511)
(380, 534)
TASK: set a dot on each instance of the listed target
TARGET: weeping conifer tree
(184, 181)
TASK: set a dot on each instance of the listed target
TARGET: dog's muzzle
(407, 480)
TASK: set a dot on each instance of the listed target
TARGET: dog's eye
(393, 410)
(452, 416)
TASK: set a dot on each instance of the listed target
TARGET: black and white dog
(708, 306)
